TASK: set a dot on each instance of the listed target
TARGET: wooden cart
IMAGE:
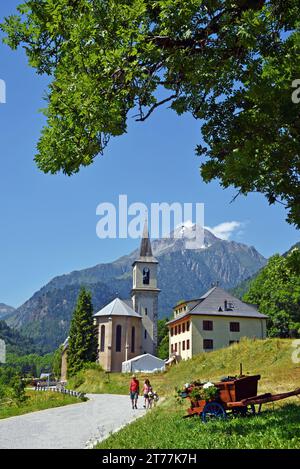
(238, 395)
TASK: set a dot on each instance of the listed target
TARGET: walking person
(134, 391)
(146, 390)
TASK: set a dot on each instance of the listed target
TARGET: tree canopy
(276, 291)
(162, 339)
(82, 344)
(230, 63)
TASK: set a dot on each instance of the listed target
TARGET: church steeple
(145, 292)
(146, 249)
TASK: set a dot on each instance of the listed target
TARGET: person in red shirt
(134, 391)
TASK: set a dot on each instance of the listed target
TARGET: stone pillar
(109, 345)
(126, 339)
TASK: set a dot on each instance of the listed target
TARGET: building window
(233, 342)
(179, 329)
(175, 330)
(175, 348)
(118, 338)
(146, 276)
(188, 344)
(183, 327)
(133, 340)
(172, 331)
(234, 327)
(171, 348)
(183, 345)
(102, 339)
(188, 326)
(146, 311)
(208, 344)
(145, 334)
(207, 325)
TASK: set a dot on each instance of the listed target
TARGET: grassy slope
(271, 358)
(37, 401)
(164, 428)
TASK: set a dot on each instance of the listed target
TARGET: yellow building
(214, 321)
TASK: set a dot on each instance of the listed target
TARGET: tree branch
(159, 103)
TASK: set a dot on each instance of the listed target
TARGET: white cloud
(226, 229)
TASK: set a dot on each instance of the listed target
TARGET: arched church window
(146, 276)
(133, 340)
(102, 339)
(118, 338)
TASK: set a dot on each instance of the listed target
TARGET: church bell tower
(145, 293)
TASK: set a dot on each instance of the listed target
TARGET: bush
(11, 385)
(17, 390)
(92, 366)
(77, 380)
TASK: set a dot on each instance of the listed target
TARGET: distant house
(215, 320)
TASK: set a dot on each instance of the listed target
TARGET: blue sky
(48, 223)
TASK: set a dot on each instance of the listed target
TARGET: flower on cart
(208, 385)
(210, 392)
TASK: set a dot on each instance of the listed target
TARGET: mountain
(295, 246)
(45, 318)
(15, 342)
(5, 311)
(183, 273)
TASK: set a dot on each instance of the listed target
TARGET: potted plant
(210, 392)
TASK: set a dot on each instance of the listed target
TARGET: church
(128, 328)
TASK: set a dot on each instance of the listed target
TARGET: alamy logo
(166, 221)
(2, 92)
(296, 352)
(296, 93)
(2, 351)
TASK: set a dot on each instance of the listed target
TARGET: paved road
(74, 426)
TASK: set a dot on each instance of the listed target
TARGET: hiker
(134, 391)
(147, 391)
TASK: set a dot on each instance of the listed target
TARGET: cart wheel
(253, 410)
(213, 410)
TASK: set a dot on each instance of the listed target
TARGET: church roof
(218, 302)
(117, 308)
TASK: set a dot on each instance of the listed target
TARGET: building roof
(146, 355)
(117, 308)
(213, 303)
(65, 344)
(128, 302)
(186, 302)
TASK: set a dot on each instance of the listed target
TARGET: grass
(37, 401)
(163, 427)
(271, 358)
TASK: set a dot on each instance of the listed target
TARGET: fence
(61, 390)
